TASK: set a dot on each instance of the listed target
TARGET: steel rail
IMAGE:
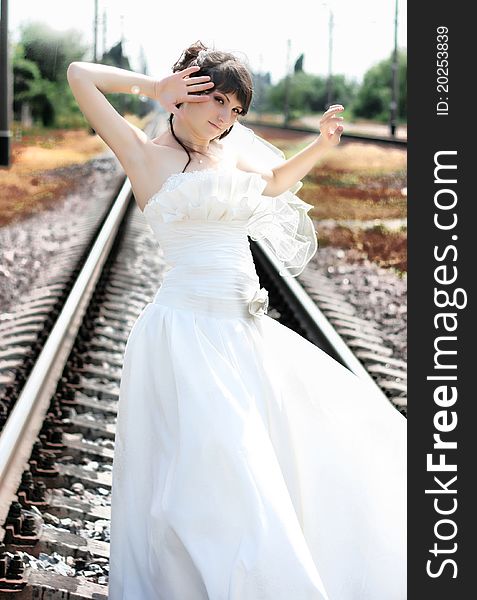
(25, 421)
(389, 141)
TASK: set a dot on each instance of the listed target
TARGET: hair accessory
(201, 56)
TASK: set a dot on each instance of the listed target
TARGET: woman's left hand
(330, 128)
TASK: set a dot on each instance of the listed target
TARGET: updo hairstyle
(229, 74)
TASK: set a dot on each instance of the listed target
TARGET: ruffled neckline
(169, 182)
(230, 195)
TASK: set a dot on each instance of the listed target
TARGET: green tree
(308, 93)
(374, 96)
(40, 61)
(30, 87)
(261, 86)
(52, 51)
(298, 68)
(126, 103)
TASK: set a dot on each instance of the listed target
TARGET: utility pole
(121, 18)
(95, 32)
(329, 86)
(286, 109)
(260, 88)
(394, 67)
(105, 28)
(5, 89)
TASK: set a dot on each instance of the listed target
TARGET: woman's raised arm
(90, 81)
(287, 174)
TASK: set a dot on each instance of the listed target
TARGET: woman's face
(210, 119)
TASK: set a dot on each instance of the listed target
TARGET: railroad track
(60, 365)
(371, 139)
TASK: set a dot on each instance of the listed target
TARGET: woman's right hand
(177, 88)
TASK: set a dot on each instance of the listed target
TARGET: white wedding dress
(249, 465)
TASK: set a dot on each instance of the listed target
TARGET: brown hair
(228, 73)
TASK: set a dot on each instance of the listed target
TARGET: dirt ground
(31, 184)
(357, 183)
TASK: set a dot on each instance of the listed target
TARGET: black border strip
(441, 271)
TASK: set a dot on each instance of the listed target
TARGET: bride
(249, 464)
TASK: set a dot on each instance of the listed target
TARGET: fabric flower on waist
(258, 305)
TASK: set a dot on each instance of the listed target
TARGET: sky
(258, 30)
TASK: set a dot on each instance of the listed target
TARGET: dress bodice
(223, 194)
(229, 196)
(201, 220)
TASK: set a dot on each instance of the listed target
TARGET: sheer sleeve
(282, 223)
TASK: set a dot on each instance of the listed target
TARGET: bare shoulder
(161, 157)
(159, 161)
